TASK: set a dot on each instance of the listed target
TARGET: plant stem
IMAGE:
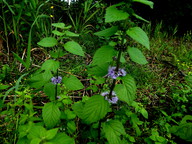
(56, 85)
(117, 65)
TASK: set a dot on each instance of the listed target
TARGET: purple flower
(56, 80)
(114, 98)
(114, 74)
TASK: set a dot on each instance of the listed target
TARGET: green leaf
(139, 35)
(103, 55)
(144, 113)
(71, 34)
(71, 126)
(50, 65)
(107, 32)
(20, 59)
(51, 133)
(37, 132)
(184, 130)
(146, 2)
(135, 122)
(78, 109)
(3, 86)
(113, 14)
(62, 138)
(49, 90)
(57, 53)
(136, 55)
(51, 114)
(69, 114)
(113, 129)
(72, 83)
(58, 33)
(99, 70)
(41, 79)
(58, 25)
(74, 48)
(48, 42)
(186, 117)
(95, 109)
(126, 91)
(140, 18)
(35, 141)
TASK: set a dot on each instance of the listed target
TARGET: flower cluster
(114, 98)
(112, 73)
(56, 80)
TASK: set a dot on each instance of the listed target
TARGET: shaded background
(171, 12)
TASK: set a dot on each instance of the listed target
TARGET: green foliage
(139, 35)
(113, 14)
(100, 56)
(73, 83)
(107, 32)
(93, 110)
(113, 129)
(126, 91)
(184, 129)
(51, 114)
(48, 42)
(136, 55)
(74, 48)
(89, 105)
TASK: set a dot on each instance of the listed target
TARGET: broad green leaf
(51, 114)
(62, 138)
(99, 70)
(51, 133)
(146, 2)
(184, 131)
(41, 79)
(144, 113)
(23, 140)
(59, 25)
(37, 132)
(35, 141)
(71, 126)
(78, 109)
(139, 35)
(49, 90)
(103, 55)
(69, 114)
(95, 109)
(131, 138)
(48, 42)
(58, 33)
(113, 14)
(72, 83)
(71, 34)
(126, 91)
(136, 55)
(50, 65)
(107, 32)
(113, 129)
(74, 48)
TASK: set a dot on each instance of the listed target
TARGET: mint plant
(111, 110)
